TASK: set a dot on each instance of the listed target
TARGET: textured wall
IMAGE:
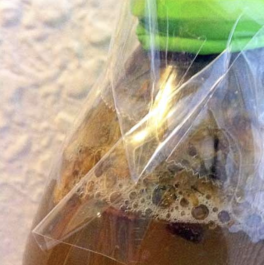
(51, 52)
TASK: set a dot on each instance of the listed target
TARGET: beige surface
(51, 52)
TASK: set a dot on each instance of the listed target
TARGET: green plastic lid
(204, 26)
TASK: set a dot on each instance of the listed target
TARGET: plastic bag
(173, 136)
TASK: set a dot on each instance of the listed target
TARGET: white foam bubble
(177, 200)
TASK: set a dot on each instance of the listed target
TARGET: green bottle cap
(200, 26)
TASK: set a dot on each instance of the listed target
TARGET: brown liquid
(93, 138)
(85, 148)
(164, 243)
(91, 141)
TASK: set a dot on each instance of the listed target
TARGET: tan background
(51, 52)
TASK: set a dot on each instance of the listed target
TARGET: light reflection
(99, 215)
(141, 136)
(161, 106)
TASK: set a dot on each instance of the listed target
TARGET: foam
(174, 200)
(183, 198)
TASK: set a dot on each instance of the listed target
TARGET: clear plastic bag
(173, 139)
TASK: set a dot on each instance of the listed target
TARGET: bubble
(208, 197)
(148, 211)
(215, 209)
(115, 196)
(90, 186)
(192, 151)
(184, 202)
(162, 200)
(212, 225)
(224, 217)
(174, 168)
(135, 205)
(133, 195)
(253, 220)
(200, 212)
(176, 185)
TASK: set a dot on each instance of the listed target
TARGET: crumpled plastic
(157, 122)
